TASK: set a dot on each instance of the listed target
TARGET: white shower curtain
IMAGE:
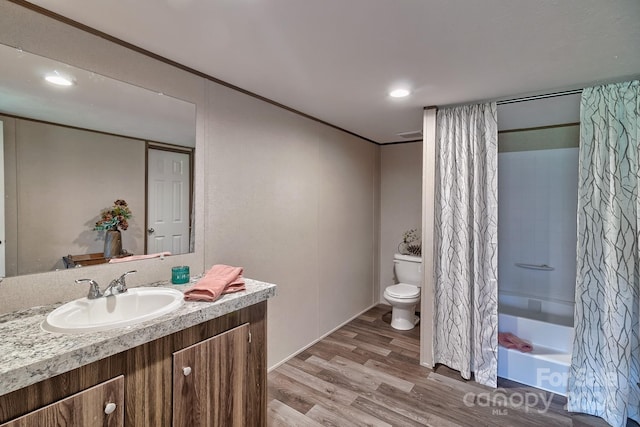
(466, 264)
(604, 376)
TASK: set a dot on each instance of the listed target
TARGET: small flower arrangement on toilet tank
(411, 244)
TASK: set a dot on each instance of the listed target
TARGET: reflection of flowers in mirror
(114, 217)
(410, 244)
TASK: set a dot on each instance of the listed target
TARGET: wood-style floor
(368, 374)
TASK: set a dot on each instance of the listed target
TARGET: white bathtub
(547, 366)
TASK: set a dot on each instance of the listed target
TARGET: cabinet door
(210, 381)
(87, 408)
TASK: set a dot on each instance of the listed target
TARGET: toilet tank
(408, 269)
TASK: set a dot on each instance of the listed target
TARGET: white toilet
(404, 296)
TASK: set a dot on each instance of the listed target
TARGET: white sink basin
(134, 306)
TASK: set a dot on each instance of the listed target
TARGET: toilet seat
(403, 291)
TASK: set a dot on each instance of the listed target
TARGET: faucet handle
(94, 288)
(122, 284)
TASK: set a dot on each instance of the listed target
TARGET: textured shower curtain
(604, 376)
(466, 252)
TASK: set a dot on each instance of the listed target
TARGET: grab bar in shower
(544, 267)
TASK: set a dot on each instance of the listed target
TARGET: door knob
(109, 408)
(186, 371)
(150, 230)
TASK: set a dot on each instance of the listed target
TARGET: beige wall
(401, 202)
(292, 201)
(54, 165)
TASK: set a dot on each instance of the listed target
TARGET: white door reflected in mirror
(169, 189)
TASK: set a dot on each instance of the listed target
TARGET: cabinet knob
(186, 371)
(109, 408)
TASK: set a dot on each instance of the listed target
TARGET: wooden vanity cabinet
(210, 381)
(226, 384)
(101, 405)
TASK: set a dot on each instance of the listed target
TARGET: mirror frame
(41, 32)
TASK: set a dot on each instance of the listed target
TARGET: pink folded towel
(138, 257)
(221, 279)
(508, 340)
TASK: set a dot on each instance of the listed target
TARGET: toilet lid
(402, 290)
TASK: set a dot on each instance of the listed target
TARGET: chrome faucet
(117, 286)
(94, 288)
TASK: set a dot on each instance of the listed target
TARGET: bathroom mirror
(70, 151)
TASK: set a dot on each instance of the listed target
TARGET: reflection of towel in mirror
(139, 257)
(508, 340)
(221, 279)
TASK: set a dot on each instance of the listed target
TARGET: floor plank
(367, 373)
(332, 391)
(382, 376)
(280, 414)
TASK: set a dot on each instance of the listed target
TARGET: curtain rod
(543, 96)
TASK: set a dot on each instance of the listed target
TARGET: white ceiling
(336, 59)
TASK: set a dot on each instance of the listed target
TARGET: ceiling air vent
(414, 134)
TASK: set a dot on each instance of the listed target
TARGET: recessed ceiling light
(399, 93)
(58, 79)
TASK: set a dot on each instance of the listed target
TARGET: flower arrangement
(114, 217)
(410, 244)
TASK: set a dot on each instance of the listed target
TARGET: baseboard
(285, 360)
